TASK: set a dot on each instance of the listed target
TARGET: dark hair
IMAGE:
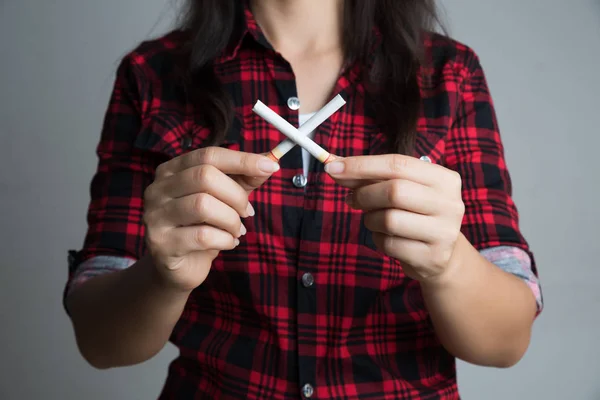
(214, 24)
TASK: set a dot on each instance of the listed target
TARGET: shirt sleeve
(114, 217)
(518, 263)
(474, 149)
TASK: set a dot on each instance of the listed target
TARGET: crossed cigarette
(300, 136)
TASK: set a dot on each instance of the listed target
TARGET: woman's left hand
(414, 208)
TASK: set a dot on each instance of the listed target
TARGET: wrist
(456, 270)
(158, 282)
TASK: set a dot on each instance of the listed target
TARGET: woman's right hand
(193, 210)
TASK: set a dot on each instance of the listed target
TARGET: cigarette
(292, 133)
(313, 123)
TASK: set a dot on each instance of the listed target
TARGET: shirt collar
(248, 28)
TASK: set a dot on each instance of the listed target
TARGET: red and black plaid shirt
(306, 299)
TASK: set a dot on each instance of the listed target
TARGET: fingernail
(250, 210)
(236, 242)
(268, 166)
(243, 230)
(336, 167)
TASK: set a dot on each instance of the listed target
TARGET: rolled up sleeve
(115, 233)
(474, 149)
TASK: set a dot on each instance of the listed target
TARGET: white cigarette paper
(292, 133)
(313, 123)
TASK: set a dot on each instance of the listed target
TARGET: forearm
(481, 314)
(124, 318)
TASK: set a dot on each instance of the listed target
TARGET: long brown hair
(392, 82)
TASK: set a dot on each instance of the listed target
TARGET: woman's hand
(193, 210)
(414, 208)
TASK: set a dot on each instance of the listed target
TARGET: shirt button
(186, 142)
(294, 103)
(300, 181)
(308, 391)
(308, 280)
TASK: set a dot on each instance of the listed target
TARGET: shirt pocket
(429, 142)
(169, 135)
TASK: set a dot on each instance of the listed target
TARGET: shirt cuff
(96, 266)
(517, 262)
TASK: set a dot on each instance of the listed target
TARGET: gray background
(57, 63)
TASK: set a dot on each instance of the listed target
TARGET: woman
(362, 279)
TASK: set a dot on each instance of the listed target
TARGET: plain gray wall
(57, 64)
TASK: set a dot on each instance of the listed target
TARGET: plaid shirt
(306, 306)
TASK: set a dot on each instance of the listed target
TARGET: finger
(204, 179)
(402, 223)
(398, 193)
(407, 251)
(185, 240)
(201, 208)
(385, 167)
(228, 161)
(250, 183)
(354, 184)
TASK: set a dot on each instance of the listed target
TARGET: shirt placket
(296, 218)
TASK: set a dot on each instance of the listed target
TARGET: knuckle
(459, 208)
(155, 239)
(201, 203)
(454, 208)
(396, 192)
(207, 155)
(389, 220)
(398, 163)
(149, 218)
(161, 170)
(247, 161)
(202, 173)
(202, 236)
(455, 180)
(150, 193)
